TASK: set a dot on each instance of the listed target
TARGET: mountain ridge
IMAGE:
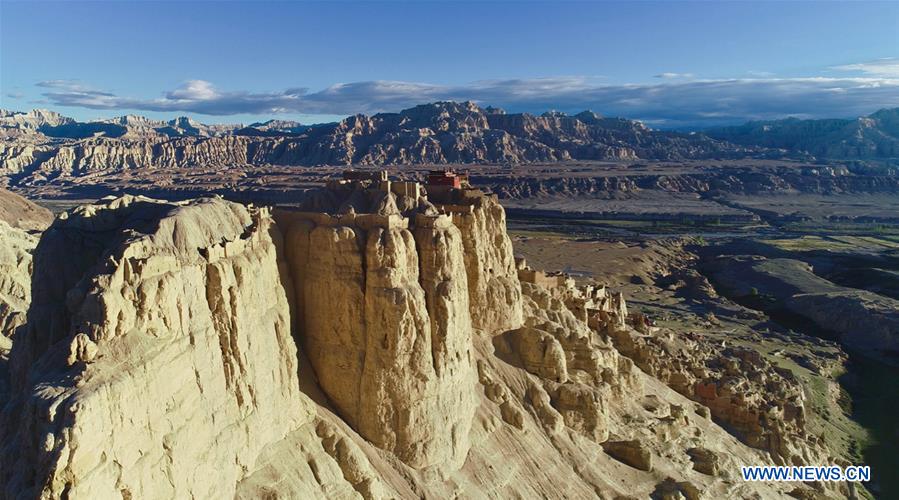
(872, 136)
(43, 144)
(443, 132)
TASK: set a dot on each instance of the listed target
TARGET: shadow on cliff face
(875, 402)
(503, 348)
(62, 258)
(308, 379)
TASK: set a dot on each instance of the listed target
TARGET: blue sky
(669, 63)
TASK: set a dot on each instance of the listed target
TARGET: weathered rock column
(493, 286)
(386, 326)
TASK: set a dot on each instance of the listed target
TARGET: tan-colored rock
(541, 353)
(385, 322)
(159, 361)
(762, 404)
(19, 220)
(16, 246)
(631, 452)
(490, 264)
(176, 328)
(704, 460)
(671, 489)
(21, 213)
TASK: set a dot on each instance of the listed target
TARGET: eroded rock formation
(47, 145)
(19, 221)
(351, 347)
(166, 323)
(15, 281)
(386, 325)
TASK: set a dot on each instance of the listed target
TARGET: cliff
(166, 322)
(377, 342)
(20, 219)
(15, 281)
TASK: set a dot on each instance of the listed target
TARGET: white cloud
(673, 103)
(887, 67)
(669, 75)
(198, 90)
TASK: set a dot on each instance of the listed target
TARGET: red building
(446, 178)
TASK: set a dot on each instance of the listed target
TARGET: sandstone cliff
(19, 221)
(160, 360)
(386, 325)
(15, 281)
(165, 322)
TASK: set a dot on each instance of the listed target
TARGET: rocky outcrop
(385, 322)
(704, 460)
(632, 452)
(166, 322)
(762, 404)
(209, 349)
(490, 265)
(15, 281)
(20, 219)
(383, 303)
(443, 132)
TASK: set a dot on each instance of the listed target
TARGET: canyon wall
(20, 221)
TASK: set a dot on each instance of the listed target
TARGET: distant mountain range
(40, 143)
(872, 136)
